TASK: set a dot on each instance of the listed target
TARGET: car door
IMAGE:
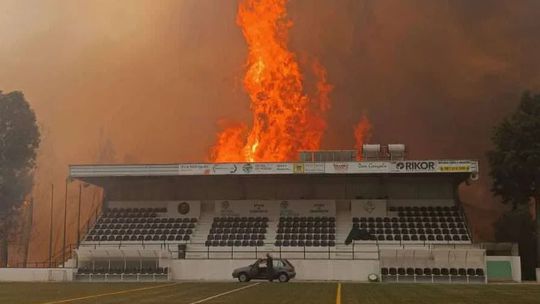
(278, 266)
(262, 269)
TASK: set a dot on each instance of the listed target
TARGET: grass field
(264, 293)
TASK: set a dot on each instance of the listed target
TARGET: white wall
(36, 274)
(331, 270)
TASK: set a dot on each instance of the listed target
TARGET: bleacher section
(417, 224)
(436, 265)
(410, 274)
(141, 224)
(237, 231)
(136, 241)
(306, 231)
(122, 271)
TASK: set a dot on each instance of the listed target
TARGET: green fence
(499, 270)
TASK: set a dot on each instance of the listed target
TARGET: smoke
(145, 81)
(435, 75)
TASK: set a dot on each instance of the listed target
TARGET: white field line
(224, 293)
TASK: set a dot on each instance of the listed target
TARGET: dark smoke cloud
(435, 75)
(146, 81)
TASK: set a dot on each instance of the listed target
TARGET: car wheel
(283, 277)
(243, 277)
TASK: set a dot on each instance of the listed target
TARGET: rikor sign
(416, 166)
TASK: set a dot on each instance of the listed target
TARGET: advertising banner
(307, 208)
(184, 209)
(248, 208)
(363, 167)
(457, 166)
(433, 166)
(368, 208)
(194, 169)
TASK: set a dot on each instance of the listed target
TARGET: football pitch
(264, 293)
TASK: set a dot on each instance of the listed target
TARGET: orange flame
(285, 118)
(362, 134)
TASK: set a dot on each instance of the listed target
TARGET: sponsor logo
(341, 167)
(369, 207)
(283, 167)
(247, 168)
(194, 169)
(416, 166)
(225, 205)
(372, 167)
(319, 208)
(298, 168)
(183, 208)
(464, 168)
(284, 204)
(258, 208)
(314, 168)
(224, 168)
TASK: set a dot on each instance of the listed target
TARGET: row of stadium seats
(143, 220)
(133, 212)
(238, 236)
(305, 243)
(307, 230)
(307, 219)
(119, 210)
(422, 237)
(306, 224)
(431, 271)
(303, 237)
(231, 219)
(139, 231)
(144, 270)
(422, 208)
(234, 243)
(406, 219)
(419, 225)
(146, 226)
(149, 237)
(239, 224)
(443, 231)
(237, 230)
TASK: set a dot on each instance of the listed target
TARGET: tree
(19, 140)
(517, 226)
(515, 159)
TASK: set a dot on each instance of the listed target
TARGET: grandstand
(334, 217)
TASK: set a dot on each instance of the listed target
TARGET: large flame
(285, 118)
(362, 134)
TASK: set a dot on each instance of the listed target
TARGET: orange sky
(147, 80)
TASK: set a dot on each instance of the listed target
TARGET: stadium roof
(276, 168)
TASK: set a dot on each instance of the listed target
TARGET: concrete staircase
(343, 227)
